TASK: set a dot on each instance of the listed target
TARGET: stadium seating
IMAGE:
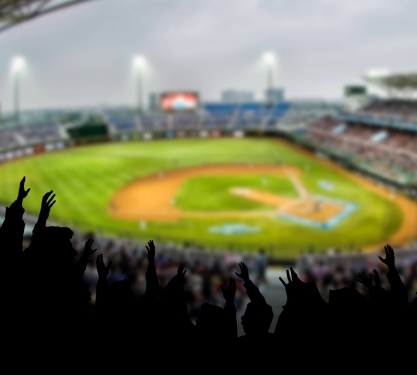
(334, 270)
(249, 115)
(276, 113)
(399, 109)
(21, 135)
(123, 123)
(219, 115)
(8, 138)
(393, 153)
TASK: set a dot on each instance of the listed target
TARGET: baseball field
(219, 193)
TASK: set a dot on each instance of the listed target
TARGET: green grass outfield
(85, 178)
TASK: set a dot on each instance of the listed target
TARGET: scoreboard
(179, 101)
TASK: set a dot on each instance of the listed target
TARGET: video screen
(179, 101)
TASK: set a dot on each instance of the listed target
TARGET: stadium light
(18, 64)
(269, 60)
(139, 62)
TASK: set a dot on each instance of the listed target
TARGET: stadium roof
(402, 81)
(13, 12)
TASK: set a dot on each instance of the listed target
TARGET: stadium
(307, 182)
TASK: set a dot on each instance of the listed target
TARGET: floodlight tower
(139, 63)
(270, 61)
(17, 67)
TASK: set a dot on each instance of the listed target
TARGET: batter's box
(317, 211)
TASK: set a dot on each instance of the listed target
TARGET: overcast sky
(82, 55)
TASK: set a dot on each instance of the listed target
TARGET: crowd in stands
(395, 109)
(391, 152)
(145, 321)
(206, 269)
(212, 116)
(7, 137)
(40, 132)
(217, 115)
(335, 270)
(127, 123)
(12, 136)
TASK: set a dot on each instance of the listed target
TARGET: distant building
(154, 102)
(237, 96)
(274, 95)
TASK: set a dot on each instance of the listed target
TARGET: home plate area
(311, 210)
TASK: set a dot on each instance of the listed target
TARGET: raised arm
(46, 205)
(11, 231)
(81, 265)
(14, 213)
(374, 290)
(365, 280)
(251, 289)
(152, 283)
(173, 308)
(230, 308)
(22, 194)
(102, 285)
(397, 287)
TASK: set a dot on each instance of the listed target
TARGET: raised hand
(22, 192)
(151, 251)
(363, 279)
(88, 248)
(229, 294)
(375, 274)
(47, 203)
(293, 280)
(102, 270)
(389, 257)
(244, 272)
(297, 291)
(181, 272)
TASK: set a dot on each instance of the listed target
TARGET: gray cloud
(82, 55)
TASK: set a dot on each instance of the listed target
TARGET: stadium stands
(8, 138)
(186, 120)
(122, 124)
(219, 115)
(334, 270)
(398, 109)
(371, 137)
(391, 152)
(22, 135)
(276, 113)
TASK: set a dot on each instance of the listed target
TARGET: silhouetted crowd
(146, 323)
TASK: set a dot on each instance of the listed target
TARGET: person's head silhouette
(211, 322)
(257, 319)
